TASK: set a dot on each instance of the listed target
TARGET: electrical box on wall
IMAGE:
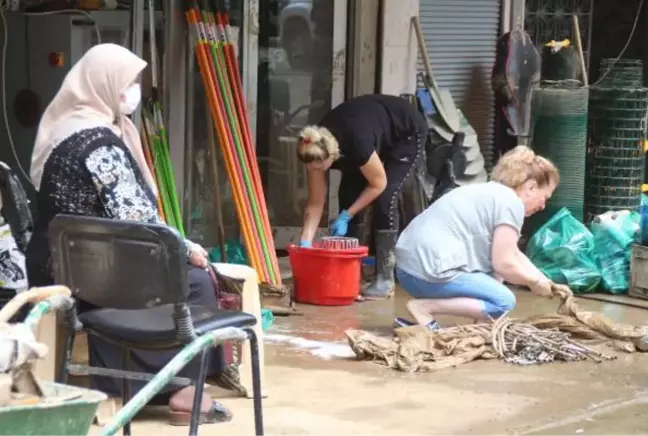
(56, 42)
(49, 46)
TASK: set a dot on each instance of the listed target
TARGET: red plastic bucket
(326, 277)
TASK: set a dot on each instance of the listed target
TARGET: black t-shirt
(369, 123)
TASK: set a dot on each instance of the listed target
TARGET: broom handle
(153, 44)
(209, 83)
(223, 26)
(217, 194)
(579, 47)
(429, 76)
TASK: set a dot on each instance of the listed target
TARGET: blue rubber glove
(341, 224)
(305, 244)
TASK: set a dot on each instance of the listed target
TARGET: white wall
(399, 50)
(364, 22)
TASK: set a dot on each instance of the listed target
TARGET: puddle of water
(322, 349)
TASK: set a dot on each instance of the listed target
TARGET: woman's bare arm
(526, 262)
(374, 172)
(316, 181)
(507, 261)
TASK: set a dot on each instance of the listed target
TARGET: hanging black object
(444, 164)
(15, 207)
(560, 65)
(515, 75)
(454, 169)
(417, 190)
(459, 159)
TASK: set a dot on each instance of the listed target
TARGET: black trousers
(104, 354)
(399, 161)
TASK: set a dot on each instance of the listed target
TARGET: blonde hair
(520, 165)
(316, 144)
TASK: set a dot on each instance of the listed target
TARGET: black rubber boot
(383, 284)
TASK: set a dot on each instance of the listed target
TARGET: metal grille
(461, 37)
(616, 158)
(552, 19)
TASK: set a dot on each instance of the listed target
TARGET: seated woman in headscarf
(88, 160)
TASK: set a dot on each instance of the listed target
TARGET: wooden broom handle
(579, 47)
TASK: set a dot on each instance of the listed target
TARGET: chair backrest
(119, 264)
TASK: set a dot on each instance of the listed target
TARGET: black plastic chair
(136, 274)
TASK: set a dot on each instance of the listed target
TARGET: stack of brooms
(222, 82)
(218, 66)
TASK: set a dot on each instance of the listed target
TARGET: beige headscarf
(90, 97)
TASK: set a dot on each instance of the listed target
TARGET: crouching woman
(453, 258)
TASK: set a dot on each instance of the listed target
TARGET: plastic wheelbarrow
(62, 410)
(68, 410)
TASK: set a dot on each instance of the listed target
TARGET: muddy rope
(572, 334)
(524, 344)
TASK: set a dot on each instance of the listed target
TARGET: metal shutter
(461, 37)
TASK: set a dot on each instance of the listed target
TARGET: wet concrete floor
(315, 388)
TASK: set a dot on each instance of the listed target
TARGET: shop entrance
(292, 77)
(301, 76)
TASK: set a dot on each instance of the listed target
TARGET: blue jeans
(495, 297)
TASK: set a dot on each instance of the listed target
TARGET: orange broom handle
(251, 152)
(218, 122)
(149, 162)
(237, 166)
(239, 130)
(224, 91)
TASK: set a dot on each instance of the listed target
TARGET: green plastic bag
(614, 233)
(234, 251)
(267, 319)
(563, 250)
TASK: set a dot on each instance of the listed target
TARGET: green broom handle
(242, 161)
(224, 84)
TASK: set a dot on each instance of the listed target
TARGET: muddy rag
(418, 349)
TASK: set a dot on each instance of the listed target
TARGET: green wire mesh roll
(621, 73)
(560, 134)
(615, 156)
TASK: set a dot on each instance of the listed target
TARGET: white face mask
(132, 97)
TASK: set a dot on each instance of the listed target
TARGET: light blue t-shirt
(455, 234)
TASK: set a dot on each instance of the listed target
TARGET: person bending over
(375, 141)
(453, 258)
